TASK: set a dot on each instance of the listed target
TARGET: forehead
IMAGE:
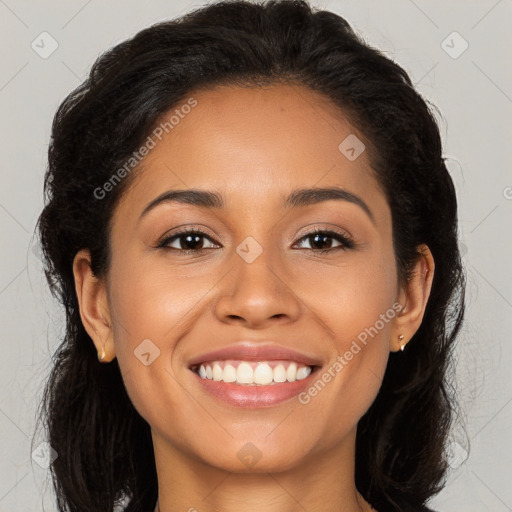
(254, 144)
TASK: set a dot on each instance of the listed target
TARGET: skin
(253, 146)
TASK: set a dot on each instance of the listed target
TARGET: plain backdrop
(457, 53)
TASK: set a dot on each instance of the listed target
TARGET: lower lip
(256, 395)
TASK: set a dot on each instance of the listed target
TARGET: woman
(250, 224)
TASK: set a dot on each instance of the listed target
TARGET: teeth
(279, 373)
(217, 372)
(291, 373)
(244, 374)
(303, 372)
(260, 373)
(229, 374)
(263, 374)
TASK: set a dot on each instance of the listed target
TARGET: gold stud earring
(402, 345)
(102, 355)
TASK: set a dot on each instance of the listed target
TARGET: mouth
(254, 384)
(253, 373)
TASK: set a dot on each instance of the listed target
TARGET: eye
(192, 241)
(325, 238)
(187, 241)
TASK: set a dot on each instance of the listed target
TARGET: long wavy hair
(105, 453)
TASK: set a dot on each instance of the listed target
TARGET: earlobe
(414, 297)
(94, 309)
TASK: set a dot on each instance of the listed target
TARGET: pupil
(189, 240)
(317, 236)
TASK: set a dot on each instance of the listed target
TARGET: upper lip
(248, 351)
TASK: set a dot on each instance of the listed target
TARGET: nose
(258, 294)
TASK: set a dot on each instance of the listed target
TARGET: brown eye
(323, 241)
(187, 241)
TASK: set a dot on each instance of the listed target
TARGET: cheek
(149, 302)
(151, 310)
(356, 308)
(351, 298)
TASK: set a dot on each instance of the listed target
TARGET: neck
(323, 482)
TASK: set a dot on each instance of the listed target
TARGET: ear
(413, 297)
(93, 304)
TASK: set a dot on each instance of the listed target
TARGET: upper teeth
(253, 372)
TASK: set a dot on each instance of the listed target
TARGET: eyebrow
(298, 198)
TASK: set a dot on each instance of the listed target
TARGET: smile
(253, 384)
(251, 373)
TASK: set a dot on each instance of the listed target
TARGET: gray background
(473, 91)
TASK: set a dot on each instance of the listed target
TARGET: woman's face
(256, 279)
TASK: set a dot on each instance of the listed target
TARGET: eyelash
(346, 240)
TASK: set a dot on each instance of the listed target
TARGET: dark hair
(104, 446)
